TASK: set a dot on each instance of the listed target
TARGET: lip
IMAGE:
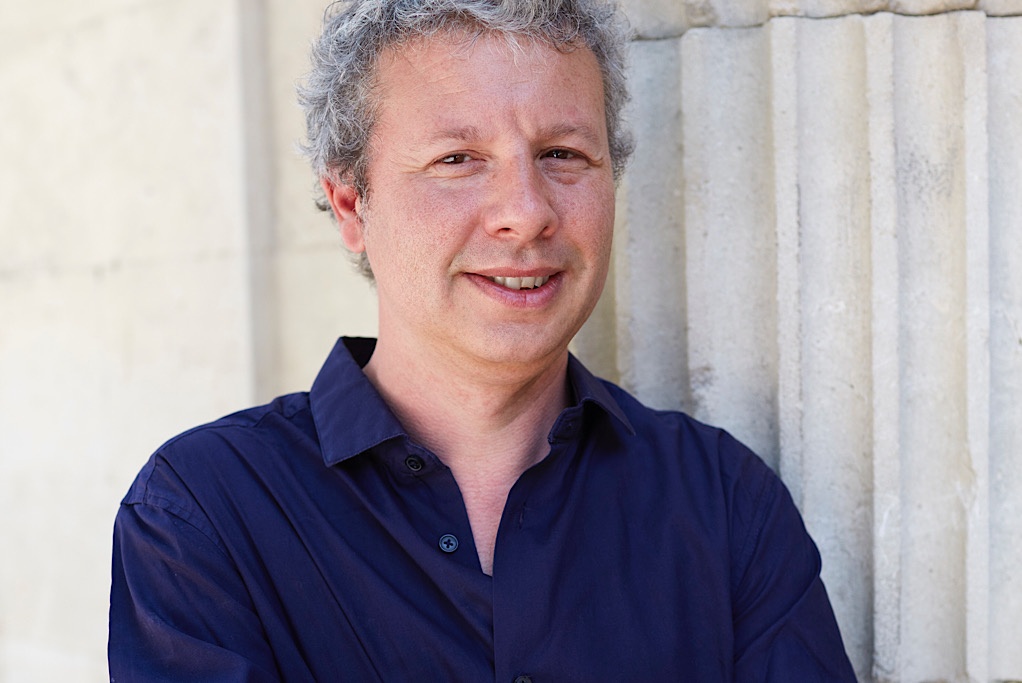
(518, 298)
(516, 272)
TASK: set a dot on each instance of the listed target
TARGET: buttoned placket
(447, 529)
(515, 557)
(415, 463)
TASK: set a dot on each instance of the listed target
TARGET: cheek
(410, 240)
(437, 226)
(594, 221)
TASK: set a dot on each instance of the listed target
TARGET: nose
(520, 205)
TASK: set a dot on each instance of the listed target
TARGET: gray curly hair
(337, 95)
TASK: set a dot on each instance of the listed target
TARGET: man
(461, 500)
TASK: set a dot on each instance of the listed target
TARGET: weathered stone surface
(1001, 8)
(730, 240)
(833, 227)
(319, 297)
(927, 7)
(884, 328)
(1005, 131)
(649, 282)
(97, 135)
(930, 72)
(96, 373)
(654, 19)
(316, 296)
(123, 291)
(825, 8)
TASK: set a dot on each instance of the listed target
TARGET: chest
(595, 577)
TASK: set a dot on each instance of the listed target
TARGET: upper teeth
(521, 282)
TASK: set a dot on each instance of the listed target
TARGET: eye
(561, 154)
(453, 159)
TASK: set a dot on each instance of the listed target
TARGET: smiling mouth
(520, 282)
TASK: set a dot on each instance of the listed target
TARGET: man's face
(491, 204)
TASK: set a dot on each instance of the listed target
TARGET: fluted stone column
(848, 249)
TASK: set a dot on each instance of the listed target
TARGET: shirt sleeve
(178, 608)
(784, 626)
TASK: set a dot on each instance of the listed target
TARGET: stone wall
(161, 264)
(819, 247)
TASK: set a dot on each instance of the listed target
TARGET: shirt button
(523, 679)
(448, 543)
(413, 463)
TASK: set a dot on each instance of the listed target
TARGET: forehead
(466, 74)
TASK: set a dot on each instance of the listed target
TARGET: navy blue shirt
(312, 539)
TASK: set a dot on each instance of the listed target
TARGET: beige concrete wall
(161, 264)
(819, 247)
(122, 289)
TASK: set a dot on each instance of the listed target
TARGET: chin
(521, 347)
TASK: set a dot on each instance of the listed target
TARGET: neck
(487, 422)
(475, 416)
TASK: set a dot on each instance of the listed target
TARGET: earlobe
(344, 201)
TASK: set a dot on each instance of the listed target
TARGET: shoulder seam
(755, 528)
(233, 421)
(184, 515)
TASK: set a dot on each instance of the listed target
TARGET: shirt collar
(351, 417)
(591, 389)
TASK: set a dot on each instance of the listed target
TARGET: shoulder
(716, 475)
(221, 453)
(675, 438)
(701, 471)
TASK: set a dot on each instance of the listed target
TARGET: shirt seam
(238, 420)
(185, 515)
(755, 529)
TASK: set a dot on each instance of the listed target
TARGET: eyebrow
(463, 134)
(560, 130)
(569, 129)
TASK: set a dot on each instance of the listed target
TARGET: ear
(345, 202)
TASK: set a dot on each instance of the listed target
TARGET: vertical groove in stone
(1005, 103)
(784, 109)
(972, 46)
(730, 239)
(883, 325)
(650, 255)
(258, 171)
(884, 303)
(930, 157)
(835, 272)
